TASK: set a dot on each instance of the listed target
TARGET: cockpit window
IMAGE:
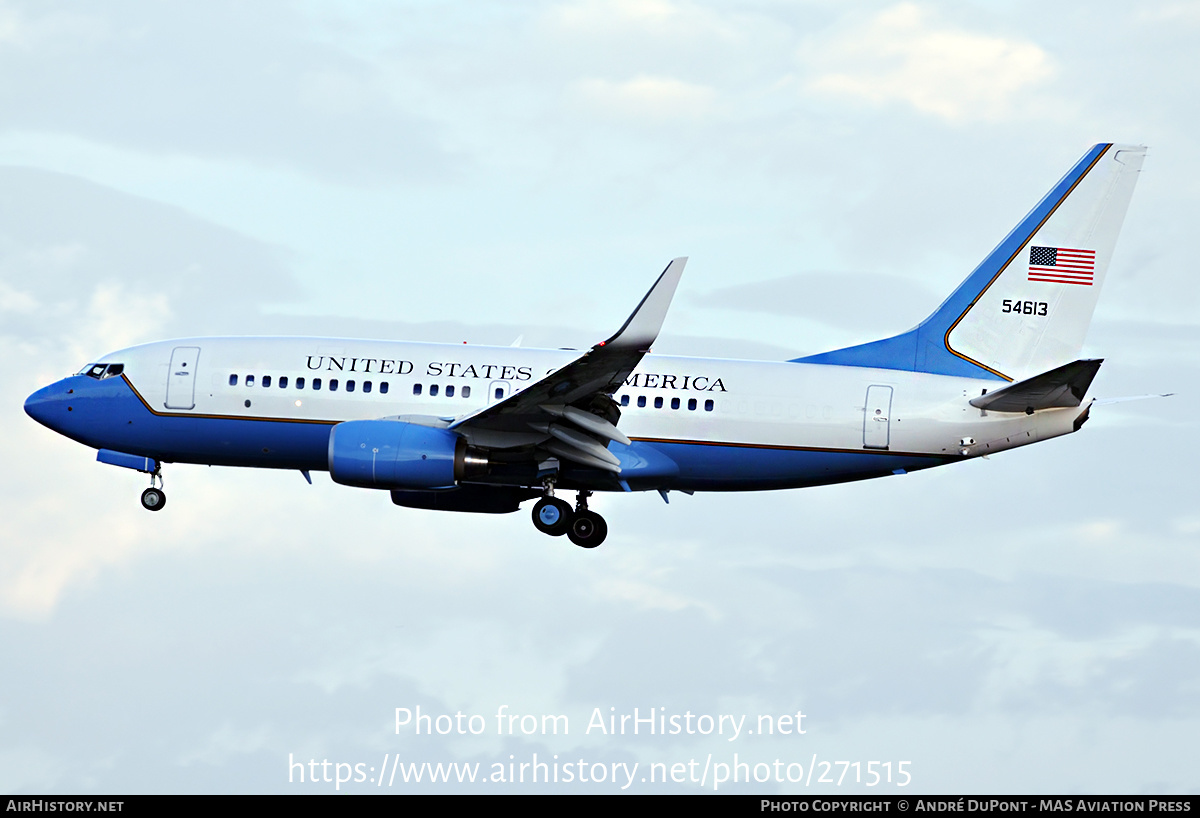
(102, 371)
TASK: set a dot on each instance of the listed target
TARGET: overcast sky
(470, 171)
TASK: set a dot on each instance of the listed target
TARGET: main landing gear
(154, 498)
(555, 517)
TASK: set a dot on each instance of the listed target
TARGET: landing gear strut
(551, 515)
(154, 498)
(555, 517)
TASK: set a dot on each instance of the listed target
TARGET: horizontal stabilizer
(1058, 388)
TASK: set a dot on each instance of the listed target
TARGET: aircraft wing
(568, 393)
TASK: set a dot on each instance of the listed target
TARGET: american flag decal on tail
(1062, 265)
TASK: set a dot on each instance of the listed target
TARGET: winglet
(641, 328)
(599, 371)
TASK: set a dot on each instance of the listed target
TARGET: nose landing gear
(154, 498)
(555, 517)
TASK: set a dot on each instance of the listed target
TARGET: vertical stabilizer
(1026, 308)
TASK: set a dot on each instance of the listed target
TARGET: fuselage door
(181, 378)
(877, 419)
(498, 391)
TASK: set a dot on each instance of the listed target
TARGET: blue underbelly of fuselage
(108, 414)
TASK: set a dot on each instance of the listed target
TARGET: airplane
(485, 429)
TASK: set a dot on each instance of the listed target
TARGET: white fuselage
(667, 398)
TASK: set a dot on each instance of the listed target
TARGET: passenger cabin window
(691, 404)
(466, 391)
(624, 400)
(366, 386)
(641, 401)
(449, 391)
(333, 383)
(433, 390)
(266, 380)
(416, 388)
(249, 380)
(658, 403)
(349, 386)
(233, 380)
(299, 383)
(383, 388)
(708, 406)
(316, 384)
(283, 381)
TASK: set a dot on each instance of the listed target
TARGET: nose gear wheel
(153, 499)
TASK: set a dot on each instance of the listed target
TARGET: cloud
(655, 54)
(980, 620)
(853, 301)
(56, 30)
(1187, 11)
(654, 97)
(904, 55)
(86, 262)
(229, 82)
(84, 270)
(659, 18)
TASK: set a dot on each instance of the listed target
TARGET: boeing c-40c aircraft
(483, 429)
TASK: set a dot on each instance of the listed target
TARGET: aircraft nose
(40, 404)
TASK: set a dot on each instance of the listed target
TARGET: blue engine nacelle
(393, 454)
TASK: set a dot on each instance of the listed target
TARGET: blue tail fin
(1026, 308)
